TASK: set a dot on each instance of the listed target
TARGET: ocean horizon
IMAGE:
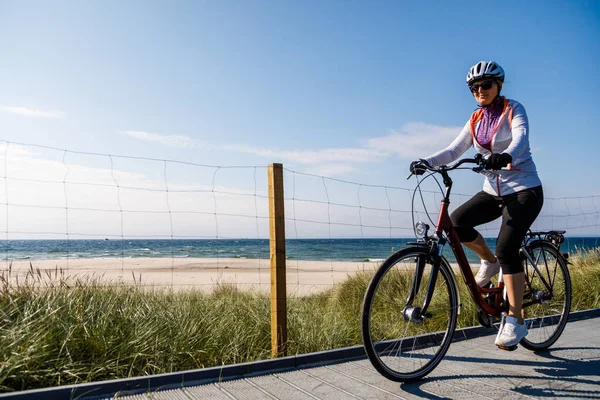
(339, 249)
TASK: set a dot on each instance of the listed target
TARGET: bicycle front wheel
(400, 348)
(547, 300)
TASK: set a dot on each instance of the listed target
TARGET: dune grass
(81, 331)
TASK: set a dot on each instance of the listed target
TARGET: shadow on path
(567, 373)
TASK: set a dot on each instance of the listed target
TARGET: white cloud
(415, 140)
(412, 141)
(177, 141)
(33, 113)
(314, 157)
(16, 150)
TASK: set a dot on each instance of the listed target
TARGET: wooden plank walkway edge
(175, 380)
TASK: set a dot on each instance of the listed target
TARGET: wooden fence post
(277, 251)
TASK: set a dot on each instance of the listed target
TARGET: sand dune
(184, 273)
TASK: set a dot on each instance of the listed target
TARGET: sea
(361, 250)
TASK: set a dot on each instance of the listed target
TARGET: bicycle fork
(418, 314)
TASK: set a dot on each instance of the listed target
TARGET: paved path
(472, 369)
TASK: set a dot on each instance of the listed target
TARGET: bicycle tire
(402, 350)
(546, 320)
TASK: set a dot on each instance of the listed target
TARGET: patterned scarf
(487, 126)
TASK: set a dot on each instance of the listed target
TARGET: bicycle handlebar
(478, 159)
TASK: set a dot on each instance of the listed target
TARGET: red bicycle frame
(444, 224)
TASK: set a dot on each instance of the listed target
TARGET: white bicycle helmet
(485, 69)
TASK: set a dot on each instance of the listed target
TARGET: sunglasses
(487, 85)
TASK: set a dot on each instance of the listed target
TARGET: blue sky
(348, 89)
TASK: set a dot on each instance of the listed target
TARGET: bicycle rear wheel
(400, 349)
(548, 293)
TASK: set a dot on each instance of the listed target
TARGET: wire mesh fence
(181, 225)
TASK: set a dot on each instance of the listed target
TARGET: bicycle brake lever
(411, 174)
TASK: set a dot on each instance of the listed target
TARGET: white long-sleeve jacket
(510, 136)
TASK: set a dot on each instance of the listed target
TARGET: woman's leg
(481, 249)
(478, 210)
(519, 212)
(515, 288)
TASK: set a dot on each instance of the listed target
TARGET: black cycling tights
(518, 211)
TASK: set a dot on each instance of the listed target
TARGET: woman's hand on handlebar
(498, 161)
(418, 167)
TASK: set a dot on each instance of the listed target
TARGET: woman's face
(485, 91)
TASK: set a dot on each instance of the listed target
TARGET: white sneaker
(486, 271)
(511, 333)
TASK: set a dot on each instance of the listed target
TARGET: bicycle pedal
(507, 348)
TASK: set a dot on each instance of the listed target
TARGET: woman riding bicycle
(498, 130)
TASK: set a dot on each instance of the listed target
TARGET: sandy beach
(303, 277)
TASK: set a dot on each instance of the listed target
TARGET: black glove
(498, 161)
(417, 167)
